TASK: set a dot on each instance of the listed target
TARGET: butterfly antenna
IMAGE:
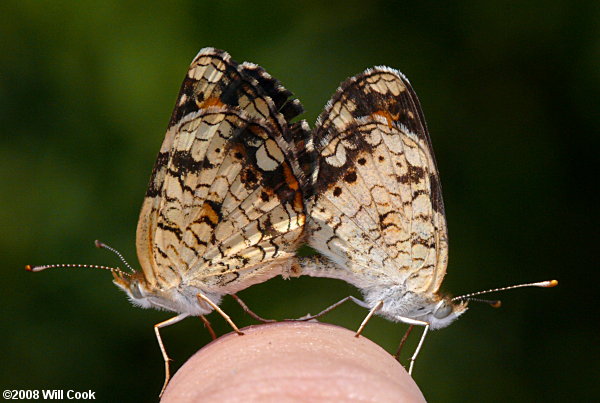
(543, 284)
(35, 269)
(102, 245)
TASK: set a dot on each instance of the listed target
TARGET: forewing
(225, 196)
(378, 210)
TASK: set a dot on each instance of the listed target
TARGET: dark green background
(510, 92)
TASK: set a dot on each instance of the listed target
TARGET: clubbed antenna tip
(543, 284)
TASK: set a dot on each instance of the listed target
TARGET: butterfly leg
(331, 308)
(403, 341)
(410, 321)
(368, 317)
(414, 357)
(214, 306)
(157, 328)
(250, 312)
(208, 327)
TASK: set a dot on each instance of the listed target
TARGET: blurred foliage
(510, 91)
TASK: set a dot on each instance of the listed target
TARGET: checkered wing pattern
(377, 211)
(225, 200)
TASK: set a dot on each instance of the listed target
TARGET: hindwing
(377, 209)
(225, 199)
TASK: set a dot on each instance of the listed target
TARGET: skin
(292, 361)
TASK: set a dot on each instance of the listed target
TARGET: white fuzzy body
(399, 303)
(181, 299)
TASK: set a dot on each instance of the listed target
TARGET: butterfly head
(178, 298)
(401, 305)
(444, 312)
(134, 285)
(438, 311)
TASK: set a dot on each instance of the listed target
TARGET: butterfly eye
(442, 310)
(134, 288)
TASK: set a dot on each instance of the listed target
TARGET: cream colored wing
(377, 210)
(225, 197)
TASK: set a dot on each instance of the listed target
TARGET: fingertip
(294, 361)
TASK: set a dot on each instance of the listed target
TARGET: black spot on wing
(350, 177)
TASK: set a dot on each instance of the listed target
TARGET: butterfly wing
(377, 211)
(225, 197)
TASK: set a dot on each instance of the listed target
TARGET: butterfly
(224, 208)
(376, 213)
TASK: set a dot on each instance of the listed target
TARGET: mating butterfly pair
(237, 188)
